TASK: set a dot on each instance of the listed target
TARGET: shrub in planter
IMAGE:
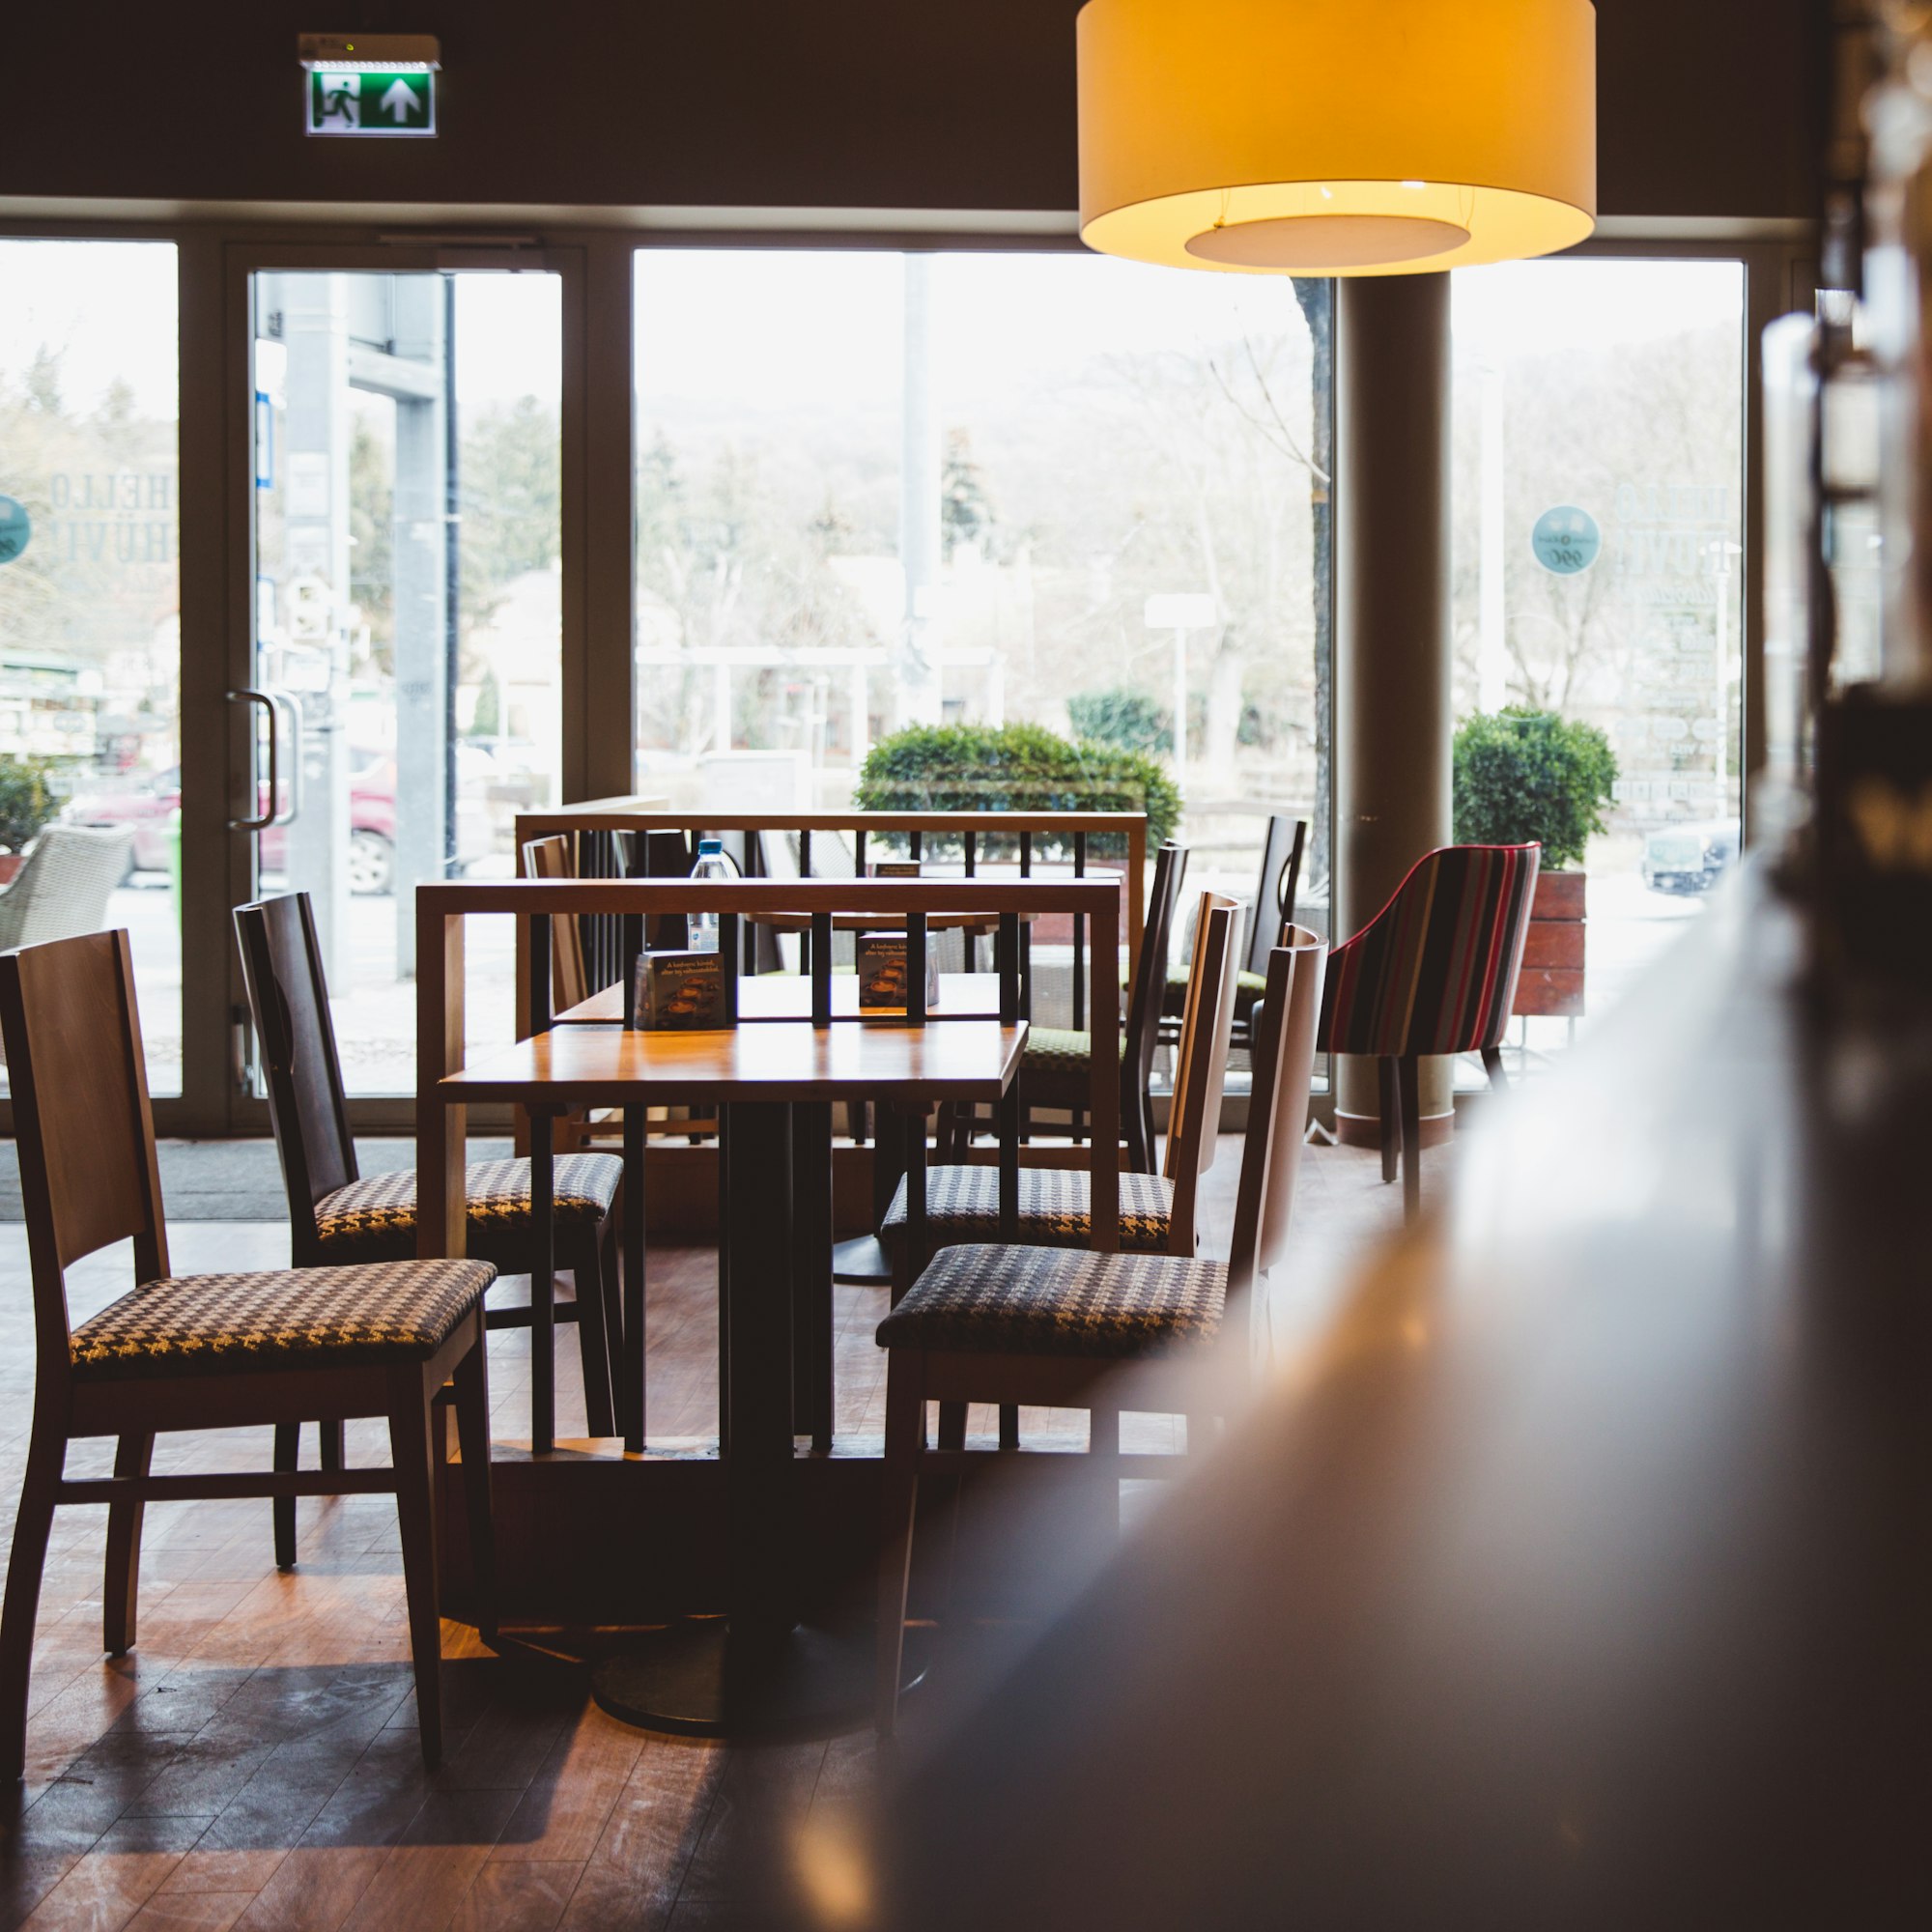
(27, 802)
(1523, 777)
(1014, 768)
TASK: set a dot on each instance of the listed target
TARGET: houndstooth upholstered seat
(375, 1218)
(962, 1203)
(1010, 1301)
(282, 1319)
(1248, 989)
(1060, 1050)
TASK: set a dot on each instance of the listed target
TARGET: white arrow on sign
(400, 102)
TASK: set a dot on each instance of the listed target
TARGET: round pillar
(1393, 653)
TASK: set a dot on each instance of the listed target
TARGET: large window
(1599, 466)
(878, 490)
(89, 613)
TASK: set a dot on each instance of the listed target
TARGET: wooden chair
(1434, 972)
(204, 1351)
(583, 1129)
(1275, 893)
(1054, 1064)
(1007, 1323)
(569, 983)
(1157, 1211)
(337, 1216)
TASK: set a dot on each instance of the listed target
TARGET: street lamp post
(1181, 611)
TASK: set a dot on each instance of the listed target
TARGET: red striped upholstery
(1436, 970)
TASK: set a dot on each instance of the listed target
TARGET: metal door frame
(243, 1111)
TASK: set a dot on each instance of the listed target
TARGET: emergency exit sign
(370, 83)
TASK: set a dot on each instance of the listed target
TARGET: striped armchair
(1434, 972)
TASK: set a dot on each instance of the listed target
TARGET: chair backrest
(1276, 889)
(63, 888)
(1201, 1066)
(1150, 987)
(1283, 1059)
(570, 979)
(1436, 970)
(288, 999)
(82, 1122)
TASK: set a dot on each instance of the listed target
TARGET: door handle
(290, 706)
(261, 821)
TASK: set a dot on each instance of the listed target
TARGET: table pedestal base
(703, 1679)
(861, 1261)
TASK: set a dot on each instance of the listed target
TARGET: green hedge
(1523, 776)
(1014, 768)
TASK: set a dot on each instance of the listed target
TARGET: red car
(372, 824)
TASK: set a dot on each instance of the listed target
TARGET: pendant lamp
(1337, 137)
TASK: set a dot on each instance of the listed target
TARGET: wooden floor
(253, 1761)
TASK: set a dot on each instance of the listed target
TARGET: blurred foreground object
(1573, 1573)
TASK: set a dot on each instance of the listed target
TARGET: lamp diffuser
(1337, 137)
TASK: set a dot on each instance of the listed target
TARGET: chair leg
(472, 1434)
(610, 1285)
(1409, 1078)
(1009, 1424)
(593, 1340)
(905, 1425)
(1133, 1129)
(951, 1424)
(333, 1452)
(121, 1590)
(288, 1456)
(1389, 1107)
(1492, 1065)
(412, 1453)
(46, 1456)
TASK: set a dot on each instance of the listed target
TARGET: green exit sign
(345, 99)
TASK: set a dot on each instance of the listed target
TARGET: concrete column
(1393, 657)
(419, 548)
(916, 683)
(313, 660)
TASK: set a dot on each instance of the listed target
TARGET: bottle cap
(707, 846)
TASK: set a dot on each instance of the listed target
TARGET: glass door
(407, 616)
(90, 611)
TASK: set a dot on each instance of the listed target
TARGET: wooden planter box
(1551, 986)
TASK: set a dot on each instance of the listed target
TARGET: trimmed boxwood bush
(1523, 776)
(1014, 768)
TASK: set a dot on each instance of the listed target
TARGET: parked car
(371, 823)
(1688, 858)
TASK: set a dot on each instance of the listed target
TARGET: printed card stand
(680, 992)
(895, 868)
(880, 959)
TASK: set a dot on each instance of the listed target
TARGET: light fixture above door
(1337, 137)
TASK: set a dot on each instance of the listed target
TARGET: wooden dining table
(758, 1668)
(774, 1086)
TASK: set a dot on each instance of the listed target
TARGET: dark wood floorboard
(253, 1762)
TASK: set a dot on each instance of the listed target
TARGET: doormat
(235, 1181)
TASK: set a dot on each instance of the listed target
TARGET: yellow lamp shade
(1337, 137)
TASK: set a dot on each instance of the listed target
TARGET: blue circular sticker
(1566, 540)
(16, 527)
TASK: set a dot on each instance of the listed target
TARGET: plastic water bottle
(712, 864)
